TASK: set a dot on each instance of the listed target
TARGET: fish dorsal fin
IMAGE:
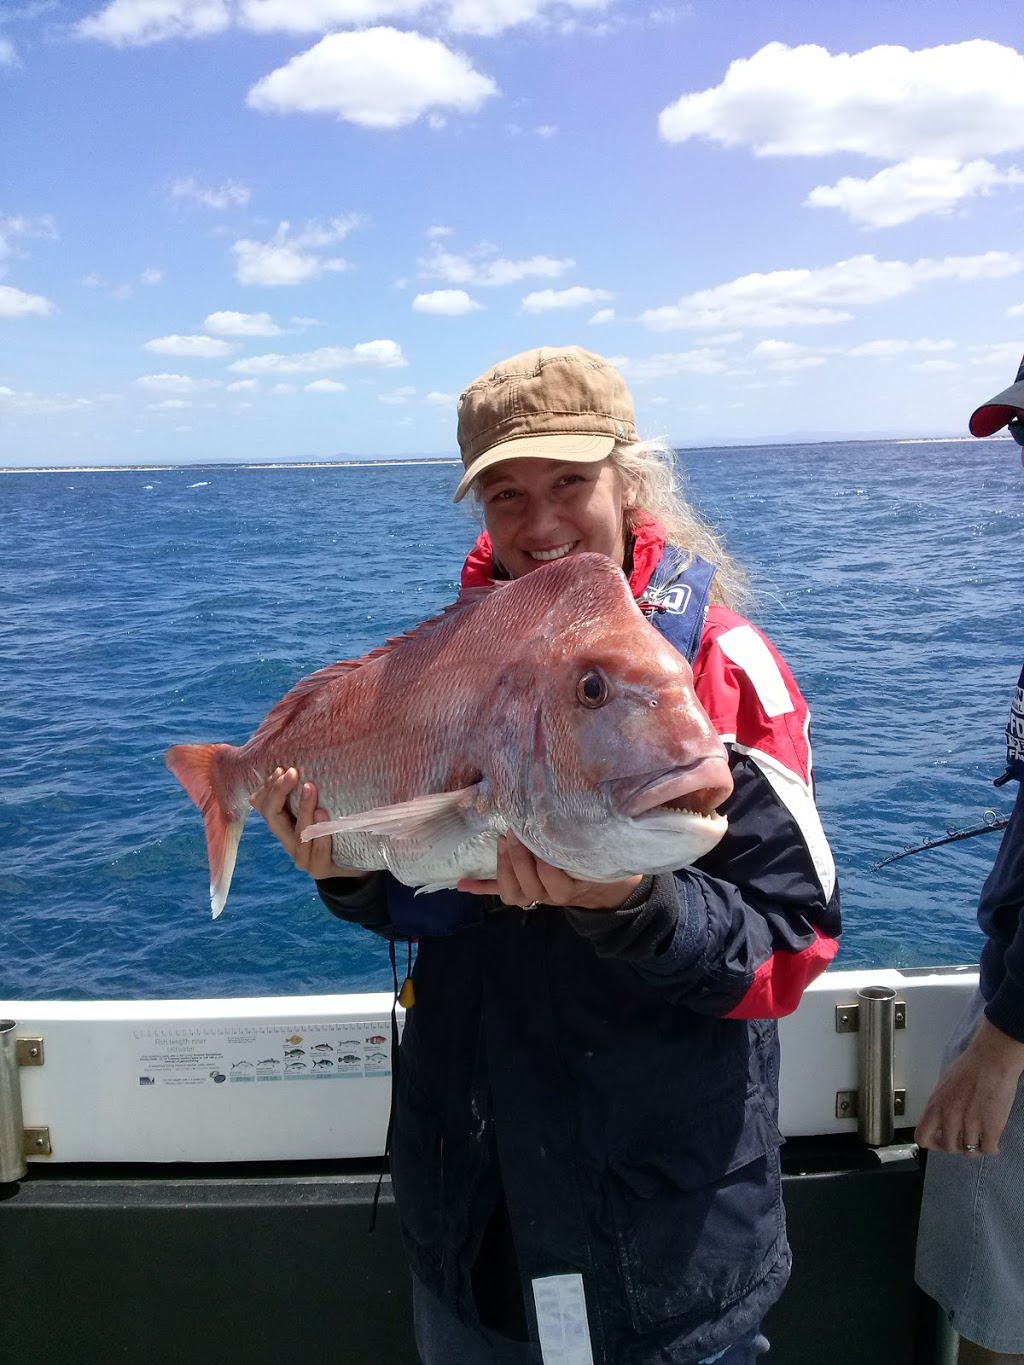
(293, 702)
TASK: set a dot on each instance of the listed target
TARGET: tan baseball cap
(551, 403)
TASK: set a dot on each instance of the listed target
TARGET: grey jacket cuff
(641, 928)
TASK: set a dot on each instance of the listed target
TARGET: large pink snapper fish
(548, 706)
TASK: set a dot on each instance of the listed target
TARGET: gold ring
(971, 1147)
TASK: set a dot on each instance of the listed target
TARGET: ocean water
(141, 608)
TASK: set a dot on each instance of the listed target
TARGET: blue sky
(289, 229)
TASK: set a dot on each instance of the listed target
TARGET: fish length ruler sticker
(257, 1053)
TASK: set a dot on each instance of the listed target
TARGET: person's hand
(271, 801)
(971, 1103)
(526, 880)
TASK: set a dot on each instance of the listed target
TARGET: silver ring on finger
(972, 1147)
(532, 906)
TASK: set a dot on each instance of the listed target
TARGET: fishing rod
(991, 822)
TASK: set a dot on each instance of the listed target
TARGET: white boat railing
(309, 1077)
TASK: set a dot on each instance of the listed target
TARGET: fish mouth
(697, 790)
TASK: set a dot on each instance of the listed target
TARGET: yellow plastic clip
(407, 995)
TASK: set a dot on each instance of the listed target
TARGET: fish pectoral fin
(440, 820)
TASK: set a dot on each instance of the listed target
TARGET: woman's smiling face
(540, 510)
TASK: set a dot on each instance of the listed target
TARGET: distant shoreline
(221, 464)
(451, 460)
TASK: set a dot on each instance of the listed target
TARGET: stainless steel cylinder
(12, 1129)
(875, 1066)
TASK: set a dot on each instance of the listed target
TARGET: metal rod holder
(875, 1067)
(12, 1128)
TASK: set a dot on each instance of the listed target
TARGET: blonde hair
(654, 486)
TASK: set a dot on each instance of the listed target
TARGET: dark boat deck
(275, 1264)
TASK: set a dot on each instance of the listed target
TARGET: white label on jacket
(746, 649)
(562, 1320)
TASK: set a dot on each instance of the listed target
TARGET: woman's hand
(271, 800)
(971, 1103)
(524, 879)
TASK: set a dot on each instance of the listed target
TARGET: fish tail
(200, 770)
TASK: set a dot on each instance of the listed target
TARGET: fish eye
(592, 690)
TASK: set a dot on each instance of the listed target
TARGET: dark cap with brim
(1001, 409)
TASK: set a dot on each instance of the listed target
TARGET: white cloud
(483, 269)
(487, 18)
(440, 400)
(603, 315)
(1016, 311)
(151, 277)
(936, 367)
(230, 324)
(544, 130)
(176, 383)
(8, 53)
(170, 405)
(285, 388)
(135, 22)
(317, 16)
(16, 227)
(438, 231)
(379, 78)
(326, 386)
(243, 386)
(228, 195)
(924, 184)
(961, 100)
(194, 347)
(787, 356)
(292, 258)
(821, 295)
(547, 300)
(450, 303)
(16, 303)
(886, 347)
(386, 354)
(41, 404)
(702, 360)
(1001, 358)
(397, 397)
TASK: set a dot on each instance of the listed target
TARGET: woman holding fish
(585, 1152)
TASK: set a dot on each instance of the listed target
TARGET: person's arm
(1001, 915)
(968, 1109)
(972, 1101)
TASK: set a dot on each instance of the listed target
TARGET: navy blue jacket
(1001, 907)
(574, 1072)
